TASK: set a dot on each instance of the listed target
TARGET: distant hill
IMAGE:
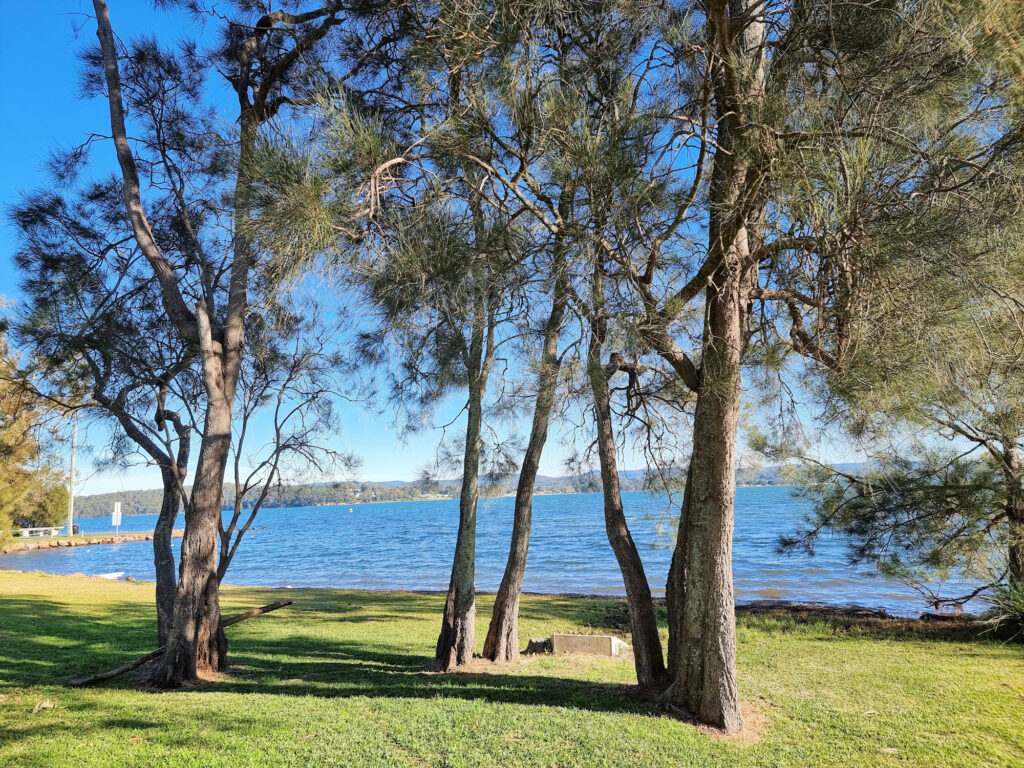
(147, 502)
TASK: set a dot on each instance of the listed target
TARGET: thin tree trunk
(1014, 473)
(647, 653)
(163, 556)
(455, 643)
(174, 489)
(458, 626)
(502, 642)
(172, 476)
(674, 586)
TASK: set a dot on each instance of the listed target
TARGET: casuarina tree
(726, 214)
(206, 296)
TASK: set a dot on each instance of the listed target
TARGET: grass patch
(341, 678)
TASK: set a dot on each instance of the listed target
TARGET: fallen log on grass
(93, 679)
(80, 682)
(254, 612)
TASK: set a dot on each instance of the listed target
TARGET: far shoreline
(483, 498)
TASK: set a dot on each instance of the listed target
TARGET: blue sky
(39, 43)
(42, 110)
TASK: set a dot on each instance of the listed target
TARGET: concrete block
(595, 645)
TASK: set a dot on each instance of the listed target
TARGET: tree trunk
(674, 593)
(174, 488)
(196, 640)
(1014, 474)
(163, 556)
(458, 628)
(702, 616)
(502, 643)
(647, 653)
(196, 643)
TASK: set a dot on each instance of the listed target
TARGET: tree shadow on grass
(42, 642)
(352, 605)
(84, 719)
(45, 643)
(296, 666)
(310, 653)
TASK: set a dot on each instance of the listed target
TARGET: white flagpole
(71, 484)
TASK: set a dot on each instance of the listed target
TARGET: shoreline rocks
(42, 543)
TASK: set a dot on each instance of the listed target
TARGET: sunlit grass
(342, 678)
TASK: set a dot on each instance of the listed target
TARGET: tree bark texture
(458, 625)
(1014, 474)
(647, 653)
(702, 615)
(502, 642)
(163, 556)
(702, 621)
(196, 644)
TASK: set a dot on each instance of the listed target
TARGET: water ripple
(408, 545)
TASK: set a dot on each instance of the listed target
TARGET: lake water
(408, 545)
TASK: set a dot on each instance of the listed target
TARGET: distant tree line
(148, 502)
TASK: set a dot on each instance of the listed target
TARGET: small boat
(112, 576)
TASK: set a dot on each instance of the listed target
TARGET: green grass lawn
(342, 679)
